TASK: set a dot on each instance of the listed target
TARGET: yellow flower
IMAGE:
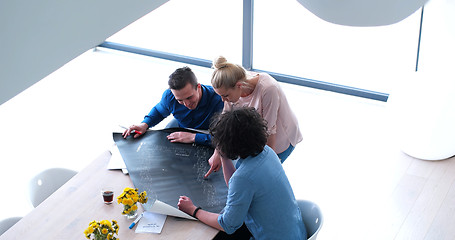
(87, 233)
(130, 197)
(134, 208)
(94, 225)
(102, 230)
(121, 195)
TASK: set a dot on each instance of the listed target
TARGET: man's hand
(182, 137)
(139, 130)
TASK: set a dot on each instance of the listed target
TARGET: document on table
(116, 161)
(151, 223)
(166, 209)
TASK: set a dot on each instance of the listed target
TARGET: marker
(132, 132)
(136, 221)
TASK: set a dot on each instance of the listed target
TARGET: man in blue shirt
(192, 105)
(260, 196)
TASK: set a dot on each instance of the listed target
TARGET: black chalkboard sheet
(172, 169)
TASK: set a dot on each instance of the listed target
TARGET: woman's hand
(186, 205)
(214, 162)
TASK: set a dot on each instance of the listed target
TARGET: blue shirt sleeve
(160, 111)
(240, 196)
(203, 139)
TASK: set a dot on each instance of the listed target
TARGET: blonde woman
(240, 88)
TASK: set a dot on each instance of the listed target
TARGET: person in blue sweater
(260, 196)
(192, 104)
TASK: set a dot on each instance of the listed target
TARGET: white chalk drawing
(173, 169)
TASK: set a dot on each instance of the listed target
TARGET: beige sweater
(269, 100)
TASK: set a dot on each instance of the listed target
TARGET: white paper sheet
(163, 208)
(116, 161)
(151, 223)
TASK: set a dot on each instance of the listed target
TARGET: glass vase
(132, 214)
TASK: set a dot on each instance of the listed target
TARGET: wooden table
(66, 213)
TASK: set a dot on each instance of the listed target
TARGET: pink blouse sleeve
(270, 106)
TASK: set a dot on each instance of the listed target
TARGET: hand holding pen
(137, 130)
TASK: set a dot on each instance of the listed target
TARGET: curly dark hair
(239, 133)
(181, 77)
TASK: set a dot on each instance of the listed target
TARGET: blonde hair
(227, 74)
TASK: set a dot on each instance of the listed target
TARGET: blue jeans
(284, 155)
(173, 124)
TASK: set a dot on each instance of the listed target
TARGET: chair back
(312, 217)
(47, 182)
(6, 223)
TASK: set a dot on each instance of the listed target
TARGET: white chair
(47, 182)
(7, 223)
(312, 217)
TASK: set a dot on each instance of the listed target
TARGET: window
(287, 39)
(291, 40)
(197, 28)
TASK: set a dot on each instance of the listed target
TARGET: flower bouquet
(102, 230)
(129, 198)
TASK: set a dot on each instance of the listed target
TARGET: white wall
(38, 37)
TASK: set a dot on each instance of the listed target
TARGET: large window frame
(247, 60)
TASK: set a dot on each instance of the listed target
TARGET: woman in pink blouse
(240, 88)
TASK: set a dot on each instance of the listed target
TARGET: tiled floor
(349, 162)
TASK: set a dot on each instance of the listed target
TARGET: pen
(136, 221)
(132, 132)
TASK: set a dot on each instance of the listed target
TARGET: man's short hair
(181, 77)
(239, 133)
